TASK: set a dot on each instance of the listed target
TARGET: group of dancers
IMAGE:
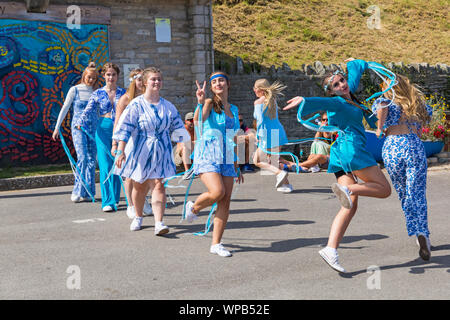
(134, 130)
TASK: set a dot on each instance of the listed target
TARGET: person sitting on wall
(182, 152)
(320, 152)
(247, 136)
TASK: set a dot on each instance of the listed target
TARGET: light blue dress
(214, 151)
(406, 162)
(149, 153)
(270, 132)
(349, 152)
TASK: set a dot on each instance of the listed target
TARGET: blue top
(99, 104)
(222, 129)
(395, 113)
(270, 132)
(349, 152)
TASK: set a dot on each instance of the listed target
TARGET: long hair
(409, 98)
(271, 93)
(132, 90)
(216, 101)
(90, 68)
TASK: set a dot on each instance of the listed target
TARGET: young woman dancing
(349, 159)
(400, 119)
(148, 160)
(78, 97)
(101, 109)
(215, 155)
(270, 133)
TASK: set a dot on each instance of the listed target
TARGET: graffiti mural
(39, 62)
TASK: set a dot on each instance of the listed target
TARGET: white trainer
(131, 212)
(147, 209)
(75, 198)
(343, 195)
(220, 250)
(136, 224)
(189, 215)
(280, 178)
(285, 188)
(107, 209)
(315, 169)
(332, 260)
(161, 228)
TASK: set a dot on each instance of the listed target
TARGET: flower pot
(374, 145)
(433, 147)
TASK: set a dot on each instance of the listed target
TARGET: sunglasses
(323, 120)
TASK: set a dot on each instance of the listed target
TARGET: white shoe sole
(283, 174)
(332, 266)
(162, 232)
(342, 196)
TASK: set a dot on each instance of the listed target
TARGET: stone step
(443, 155)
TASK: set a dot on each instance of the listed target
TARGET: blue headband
(219, 75)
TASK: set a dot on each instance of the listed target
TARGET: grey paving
(46, 242)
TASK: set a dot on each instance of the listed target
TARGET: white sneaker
(220, 250)
(190, 216)
(425, 246)
(280, 178)
(285, 188)
(75, 198)
(188, 175)
(147, 209)
(343, 195)
(161, 228)
(136, 224)
(332, 260)
(315, 169)
(131, 212)
(107, 209)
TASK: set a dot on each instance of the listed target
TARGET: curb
(67, 179)
(46, 181)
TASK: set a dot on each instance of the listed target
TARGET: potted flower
(436, 133)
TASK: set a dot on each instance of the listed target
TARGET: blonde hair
(132, 90)
(216, 102)
(271, 93)
(410, 99)
(90, 68)
(147, 72)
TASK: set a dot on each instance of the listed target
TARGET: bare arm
(381, 114)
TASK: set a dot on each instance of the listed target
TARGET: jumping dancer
(78, 97)
(215, 155)
(101, 110)
(400, 119)
(148, 160)
(269, 131)
(349, 159)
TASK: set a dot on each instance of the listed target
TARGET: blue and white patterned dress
(149, 154)
(405, 160)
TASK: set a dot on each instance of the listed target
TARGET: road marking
(88, 220)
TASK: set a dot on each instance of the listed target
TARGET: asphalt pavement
(51, 248)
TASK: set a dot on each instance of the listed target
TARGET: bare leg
(158, 199)
(343, 217)
(216, 191)
(259, 155)
(223, 211)
(139, 192)
(129, 190)
(375, 183)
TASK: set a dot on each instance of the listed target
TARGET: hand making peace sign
(200, 93)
